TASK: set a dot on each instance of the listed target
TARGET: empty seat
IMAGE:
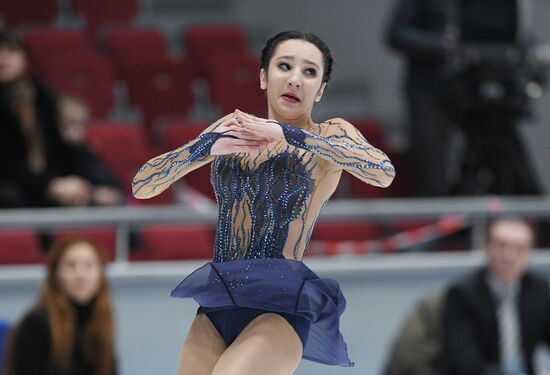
(20, 12)
(20, 247)
(98, 13)
(105, 238)
(205, 43)
(42, 44)
(90, 77)
(176, 133)
(175, 242)
(128, 45)
(161, 88)
(124, 148)
(234, 83)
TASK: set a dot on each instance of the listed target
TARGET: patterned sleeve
(160, 172)
(346, 148)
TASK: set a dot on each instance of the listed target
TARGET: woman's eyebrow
(293, 58)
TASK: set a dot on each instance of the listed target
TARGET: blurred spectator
(473, 71)
(70, 329)
(417, 346)
(40, 168)
(74, 116)
(495, 318)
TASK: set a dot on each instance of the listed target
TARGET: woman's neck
(302, 122)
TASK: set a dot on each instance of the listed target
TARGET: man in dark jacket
(494, 319)
(452, 78)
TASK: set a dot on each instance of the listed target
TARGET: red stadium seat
(176, 133)
(205, 43)
(20, 247)
(234, 83)
(45, 43)
(105, 238)
(158, 83)
(128, 45)
(21, 12)
(90, 77)
(161, 88)
(124, 148)
(98, 13)
(175, 242)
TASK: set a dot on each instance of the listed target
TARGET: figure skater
(261, 309)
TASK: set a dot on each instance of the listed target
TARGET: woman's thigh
(268, 346)
(202, 348)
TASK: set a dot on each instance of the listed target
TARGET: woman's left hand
(260, 126)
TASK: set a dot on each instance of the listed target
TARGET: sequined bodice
(269, 200)
(259, 196)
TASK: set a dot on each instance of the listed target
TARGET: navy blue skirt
(275, 285)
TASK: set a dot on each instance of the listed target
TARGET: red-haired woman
(70, 329)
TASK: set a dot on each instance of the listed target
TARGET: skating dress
(268, 202)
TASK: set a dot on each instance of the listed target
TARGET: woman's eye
(284, 66)
(311, 72)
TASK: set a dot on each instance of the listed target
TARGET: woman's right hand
(237, 139)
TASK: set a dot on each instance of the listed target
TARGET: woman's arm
(338, 142)
(346, 148)
(160, 172)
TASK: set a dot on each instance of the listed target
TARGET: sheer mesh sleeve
(346, 148)
(160, 172)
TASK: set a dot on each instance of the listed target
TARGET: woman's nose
(294, 81)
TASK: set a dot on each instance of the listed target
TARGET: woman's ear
(263, 79)
(320, 92)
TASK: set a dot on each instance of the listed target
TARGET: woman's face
(79, 273)
(293, 80)
(12, 64)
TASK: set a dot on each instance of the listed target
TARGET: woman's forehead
(299, 49)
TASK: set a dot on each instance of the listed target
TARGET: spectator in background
(40, 168)
(466, 69)
(74, 116)
(494, 319)
(417, 346)
(70, 329)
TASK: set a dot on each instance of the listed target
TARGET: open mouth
(290, 97)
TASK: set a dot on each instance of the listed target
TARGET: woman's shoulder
(36, 319)
(336, 125)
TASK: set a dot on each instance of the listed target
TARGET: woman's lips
(290, 98)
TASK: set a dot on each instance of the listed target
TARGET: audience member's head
(509, 245)
(13, 59)
(74, 115)
(77, 301)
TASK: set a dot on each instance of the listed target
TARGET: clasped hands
(245, 133)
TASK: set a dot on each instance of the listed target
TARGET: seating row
(157, 82)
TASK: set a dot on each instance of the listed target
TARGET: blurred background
(129, 79)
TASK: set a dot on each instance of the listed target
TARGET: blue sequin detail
(267, 197)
